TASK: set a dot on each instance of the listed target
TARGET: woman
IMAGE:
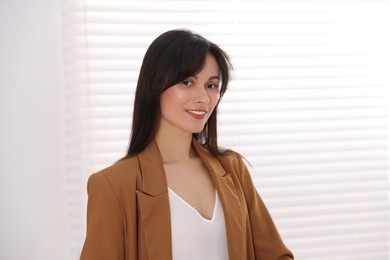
(176, 195)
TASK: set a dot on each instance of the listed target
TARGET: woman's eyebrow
(212, 77)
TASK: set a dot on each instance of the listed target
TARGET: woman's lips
(198, 114)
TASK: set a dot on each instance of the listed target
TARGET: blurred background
(308, 107)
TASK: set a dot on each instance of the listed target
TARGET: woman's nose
(202, 95)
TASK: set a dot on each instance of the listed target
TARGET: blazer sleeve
(266, 238)
(105, 228)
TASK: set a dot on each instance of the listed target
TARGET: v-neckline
(213, 216)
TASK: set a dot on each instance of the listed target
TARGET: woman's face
(187, 105)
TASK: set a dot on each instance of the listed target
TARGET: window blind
(308, 107)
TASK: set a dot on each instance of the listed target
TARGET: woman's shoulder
(230, 157)
(125, 171)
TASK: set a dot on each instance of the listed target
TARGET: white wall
(32, 198)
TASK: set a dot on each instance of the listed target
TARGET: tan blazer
(128, 215)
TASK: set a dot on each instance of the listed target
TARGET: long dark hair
(171, 58)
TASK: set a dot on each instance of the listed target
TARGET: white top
(193, 236)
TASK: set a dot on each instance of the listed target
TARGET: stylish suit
(128, 215)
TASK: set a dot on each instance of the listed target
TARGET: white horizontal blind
(308, 107)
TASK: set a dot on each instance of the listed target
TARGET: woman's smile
(199, 114)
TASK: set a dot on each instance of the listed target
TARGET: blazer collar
(154, 202)
(153, 180)
(212, 164)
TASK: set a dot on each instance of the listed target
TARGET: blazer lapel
(153, 204)
(223, 182)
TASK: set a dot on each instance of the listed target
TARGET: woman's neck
(174, 147)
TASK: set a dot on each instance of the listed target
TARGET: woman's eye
(212, 85)
(187, 83)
